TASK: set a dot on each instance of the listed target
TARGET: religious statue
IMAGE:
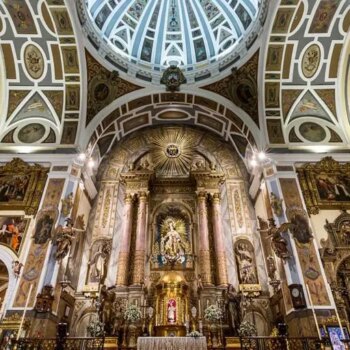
(106, 308)
(65, 236)
(245, 261)
(171, 311)
(233, 307)
(276, 204)
(98, 262)
(172, 245)
(279, 244)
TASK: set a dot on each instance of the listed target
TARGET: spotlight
(261, 155)
(91, 163)
(82, 156)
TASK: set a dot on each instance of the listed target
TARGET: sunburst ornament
(172, 152)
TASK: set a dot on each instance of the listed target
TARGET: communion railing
(281, 343)
(55, 344)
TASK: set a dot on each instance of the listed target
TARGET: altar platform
(171, 343)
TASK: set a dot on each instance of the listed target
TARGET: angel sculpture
(64, 238)
(279, 244)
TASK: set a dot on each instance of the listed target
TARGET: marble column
(204, 255)
(140, 244)
(219, 242)
(123, 259)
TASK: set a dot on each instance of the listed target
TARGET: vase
(132, 335)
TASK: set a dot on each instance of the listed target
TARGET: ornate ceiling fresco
(145, 37)
(63, 89)
(302, 74)
(41, 67)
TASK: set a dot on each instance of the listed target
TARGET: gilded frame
(325, 185)
(35, 177)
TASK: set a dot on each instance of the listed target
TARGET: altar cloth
(171, 343)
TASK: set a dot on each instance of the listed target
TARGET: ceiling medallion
(172, 150)
(173, 78)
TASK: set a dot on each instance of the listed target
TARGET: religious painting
(172, 247)
(282, 20)
(21, 186)
(245, 260)
(274, 58)
(325, 184)
(69, 133)
(272, 93)
(274, 130)
(72, 97)
(21, 16)
(312, 132)
(44, 225)
(324, 16)
(12, 231)
(31, 133)
(70, 59)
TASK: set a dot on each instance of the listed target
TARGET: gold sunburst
(172, 152)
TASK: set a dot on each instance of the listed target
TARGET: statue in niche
(98, 261)
(279, 243)
(171, 311)
(276, 204)
(233, 308)
(172, 246)
(244, 252)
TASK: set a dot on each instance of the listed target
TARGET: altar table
(171, 343)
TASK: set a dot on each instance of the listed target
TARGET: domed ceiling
(187, 33)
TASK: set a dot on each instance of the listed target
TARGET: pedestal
(233, 343)
(111, 343)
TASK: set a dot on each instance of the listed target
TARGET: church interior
(183, 177)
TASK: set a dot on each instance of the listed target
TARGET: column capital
(128, 198)
(202, 195)
(142, 195)
(215, 197)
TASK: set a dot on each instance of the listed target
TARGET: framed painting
(21, 186)
(325, 185)
(12, 231)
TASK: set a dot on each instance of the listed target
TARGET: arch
(7, 256)
(151, 110)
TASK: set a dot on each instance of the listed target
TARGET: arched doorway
(4, 284)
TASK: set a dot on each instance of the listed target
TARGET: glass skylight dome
(187, 33)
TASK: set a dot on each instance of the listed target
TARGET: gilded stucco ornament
(173, 78)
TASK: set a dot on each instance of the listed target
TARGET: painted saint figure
(172, 311)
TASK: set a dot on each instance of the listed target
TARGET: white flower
(212, 313)
(132, 313)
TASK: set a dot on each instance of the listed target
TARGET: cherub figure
(16, 268)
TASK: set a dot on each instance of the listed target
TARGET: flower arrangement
(195, 334)
(132, 313)
(247, 329)
(96, 328)
(212, 313)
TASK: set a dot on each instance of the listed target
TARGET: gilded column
(139, 262)
(123, 268)
(204, 255)
(219, 242)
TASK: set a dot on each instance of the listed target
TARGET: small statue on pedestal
(233, 307)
